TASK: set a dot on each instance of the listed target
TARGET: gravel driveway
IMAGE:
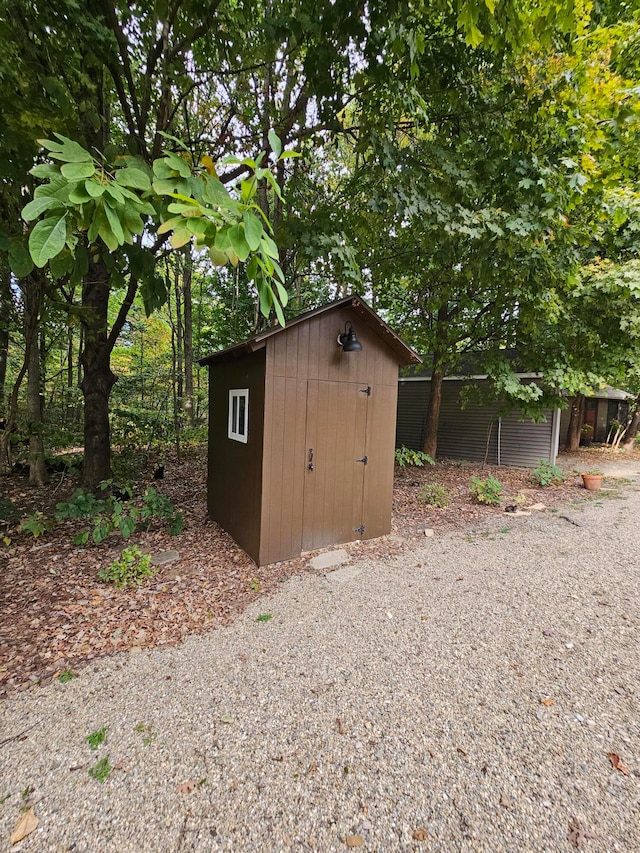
(465, 697)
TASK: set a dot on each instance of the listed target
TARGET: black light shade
(348, 340)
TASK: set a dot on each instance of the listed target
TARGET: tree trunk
(5, 314)
(433, 414)
(98, 378)
(38, 475)
(188, 338)
(634, 428)
(572, 442)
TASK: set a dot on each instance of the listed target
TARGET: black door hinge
(366, 390)
(364, 460)
(359, 530)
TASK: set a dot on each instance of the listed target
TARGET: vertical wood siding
(234, 485)
(296, 358)
(472, 432)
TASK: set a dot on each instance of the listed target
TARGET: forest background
(468, 166)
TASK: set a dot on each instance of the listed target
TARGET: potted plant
(586, 434)
(592, 480)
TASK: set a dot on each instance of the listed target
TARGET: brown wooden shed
(302, 432)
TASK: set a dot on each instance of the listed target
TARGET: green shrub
(36, 524)
(487, 491)
(132, 567)
(405, 456)
(545, 474)
(434, 495)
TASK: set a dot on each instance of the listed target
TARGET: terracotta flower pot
(592, 482)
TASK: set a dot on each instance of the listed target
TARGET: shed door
(334, 470)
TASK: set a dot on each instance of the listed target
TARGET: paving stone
(329, 559)
(163, 558)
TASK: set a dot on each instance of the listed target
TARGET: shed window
(239, 414)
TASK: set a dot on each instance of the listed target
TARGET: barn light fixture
(347, 339)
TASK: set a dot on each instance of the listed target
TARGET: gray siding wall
(472, 432)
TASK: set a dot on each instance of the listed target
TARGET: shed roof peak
(406, 355)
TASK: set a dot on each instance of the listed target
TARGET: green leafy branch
(172, 198)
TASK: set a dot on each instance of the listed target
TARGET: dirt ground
(55, 614)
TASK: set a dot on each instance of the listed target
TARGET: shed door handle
(311, 458)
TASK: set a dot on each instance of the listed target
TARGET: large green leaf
(238, 242)
(66, 150)
(134, 178)
(252, 230)
(78, 171)
(47, 239)
(38, 206)
(114, 223)
(94, 188)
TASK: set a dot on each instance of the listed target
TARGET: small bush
(132, 567)
(434, 495)
(405, 456)
(36, 524)
(487, 491)
(545, 474)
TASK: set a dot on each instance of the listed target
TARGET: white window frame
(234, 432)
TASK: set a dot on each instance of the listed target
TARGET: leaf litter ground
(56, 616)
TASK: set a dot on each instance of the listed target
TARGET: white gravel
(380, 699)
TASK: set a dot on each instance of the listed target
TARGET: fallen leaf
(27, 823)
(461, 750)
(186, 787)
(617, 763)
(419, 834)
(340, 725)
(354, 841)
(547, 702)
(505, 801)
(577, 834)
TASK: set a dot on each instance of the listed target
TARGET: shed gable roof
(404, 353)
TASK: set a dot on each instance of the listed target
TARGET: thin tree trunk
(575, 423)
(634, 428)
(179, 334)
(188, 338)
(433, 414)
(98, 378)
(176, 417)
(437, 377)
(68, 397)
(5, 313)
(33, 302)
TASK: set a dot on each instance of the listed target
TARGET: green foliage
(156, 505)
(113, 204)
(36, 524)
(487, 491)
(546, 474)
(264, 617)
(66, 675)
(109, 514)
(95, 739)
(404, 456)
(101, 769)
(434, 495)
(132, 567)
(81, 505)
